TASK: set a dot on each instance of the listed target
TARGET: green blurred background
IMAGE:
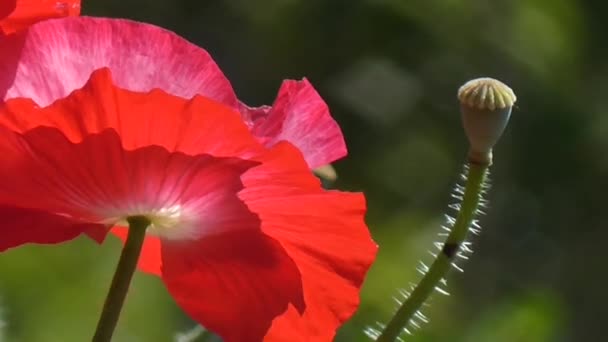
(389, 70)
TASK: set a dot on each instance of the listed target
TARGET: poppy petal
(97, 181)
(333, 253)
(19, 14)
(323, 232)
(194, 126)
(299, 115)
(55, 57)
(234, 284)
(23, 225)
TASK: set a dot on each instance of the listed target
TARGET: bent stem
(122, 278)
(443, 263)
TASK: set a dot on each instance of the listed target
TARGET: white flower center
(173, 222)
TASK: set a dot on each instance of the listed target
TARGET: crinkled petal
(54, 57)
(300, 116)
(333, 250)
(234, 284)
(19, 14)
(323, 232)
(195, 126)
(23, 225)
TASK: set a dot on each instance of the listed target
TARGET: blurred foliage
(389, 70)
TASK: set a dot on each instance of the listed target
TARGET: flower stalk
(485, 105)
(443, 263)
(122, 279)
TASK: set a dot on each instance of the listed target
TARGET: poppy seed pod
(485, 104)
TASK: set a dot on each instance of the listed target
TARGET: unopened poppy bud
(485, 104)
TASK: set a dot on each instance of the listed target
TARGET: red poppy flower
(53, 58)
(18, 14)
(250, 244)
(243, 236)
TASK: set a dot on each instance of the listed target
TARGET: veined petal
(300, 116)
(22, 225)
(54, 57)
(97, 181)
(195, 126)
(234, 284)
(19, 14)
(274, 178)
(323, 232)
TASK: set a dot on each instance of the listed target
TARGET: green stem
(122, 278)
(443, 263)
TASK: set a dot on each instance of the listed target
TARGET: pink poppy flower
(243, 236)
(18, 14)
